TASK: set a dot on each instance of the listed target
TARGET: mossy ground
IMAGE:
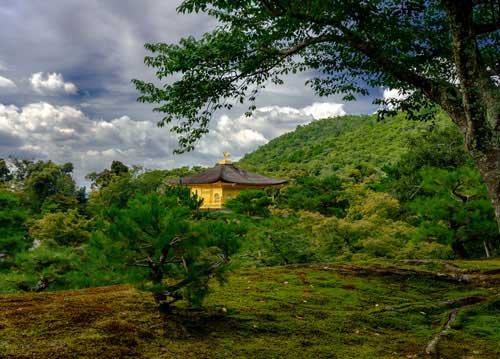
(293, 312)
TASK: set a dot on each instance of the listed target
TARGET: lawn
(309, 311)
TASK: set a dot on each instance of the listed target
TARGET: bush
(323, 195)
(48, 266)
(251, 203)
(65, 228)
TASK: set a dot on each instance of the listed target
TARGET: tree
(251, 203)
(156, 242)
(281, 240)
(5, 174)
(437, 52)
(105, 177)
(13, 228)
(443, 193)
(452, 209)
(372, 226)
(323, 195)
(116, 192)
(47, 266)
(64, 228)
(115, 186)
(118, 168)
(47, 186)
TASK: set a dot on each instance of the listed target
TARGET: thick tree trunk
(480, 99)
(489, 167)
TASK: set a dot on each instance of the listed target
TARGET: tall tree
(437, 52)
(50, 187)
(106, 176)
(443, 195)
(13, 228)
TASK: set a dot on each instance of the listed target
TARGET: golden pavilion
(223, 182)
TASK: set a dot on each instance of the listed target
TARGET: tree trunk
(486, 250)
(489, 167)
(459, 249)
(480, 99)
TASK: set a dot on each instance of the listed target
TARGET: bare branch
(461, 197)
(184, 264)
(138, 265)
(203, 272)
(175, 240)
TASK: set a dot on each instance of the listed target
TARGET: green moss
(265, 313)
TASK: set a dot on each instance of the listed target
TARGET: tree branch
(481, 29)
(432, 347)
(204, 272)
(461, 197)
(441, 92)
(307, 42)
(166, 250)
(273, 7)
(138, 265)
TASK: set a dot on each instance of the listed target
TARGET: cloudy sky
(66, 95)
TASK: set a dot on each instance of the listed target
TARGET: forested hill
(335, 146)
(349, 166)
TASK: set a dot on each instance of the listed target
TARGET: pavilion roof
(231, 174)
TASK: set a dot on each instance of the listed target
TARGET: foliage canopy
(437, 53)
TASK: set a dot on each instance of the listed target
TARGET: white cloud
(66, 134)
(105, 62)
(394, 94)
(244, 134)
(51, 84)
(324, 110)
(6, 83)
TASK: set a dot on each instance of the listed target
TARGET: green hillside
(395, 188)
(335, 145)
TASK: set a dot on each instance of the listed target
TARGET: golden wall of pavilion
(214, 195)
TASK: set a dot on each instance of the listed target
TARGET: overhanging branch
(440, 92)
(481, 29)
(306, 43)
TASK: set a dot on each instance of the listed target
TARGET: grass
(276, 312)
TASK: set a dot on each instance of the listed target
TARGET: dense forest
(403, 188)
(358, 189)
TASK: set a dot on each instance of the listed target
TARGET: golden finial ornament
(226, 159)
